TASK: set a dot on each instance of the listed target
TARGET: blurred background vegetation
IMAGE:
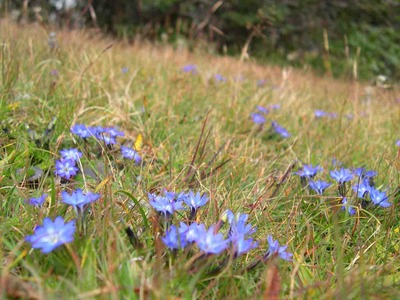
(339, 37)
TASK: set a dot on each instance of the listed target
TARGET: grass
(197, 134)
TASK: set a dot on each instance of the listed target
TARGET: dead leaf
(16, 288)
(273, 283)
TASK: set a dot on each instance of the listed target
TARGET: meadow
(191, 176)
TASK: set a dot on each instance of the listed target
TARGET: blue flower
(211, 243)
(37, 201)
(342, 175)
(174, 239)
(347, 207)
(97, 131)
(78, 199)
(124, 70)
(103, 134)
(130, 153)
(309, 171)
(219, 78)
(320, 113)
(398, 143)
(280, 130)
(195, 200)
(243, 245)
(379, 198)
(66, 168)
(276, 249)
(81, 130)
(362, 173)
(257, 118)
(52, 234)
(192, 69)
(239, 233)
(164, 204)
(113, 132)
(71, 154)
(192, 232)
(239, 225)
(319, 186)
(262, 109)
(362, 188)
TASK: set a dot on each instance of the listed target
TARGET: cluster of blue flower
(66, 167)
(211, 240)
(259, 118)
(363, 187)
(53, 234)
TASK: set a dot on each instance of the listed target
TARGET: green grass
(239, 166)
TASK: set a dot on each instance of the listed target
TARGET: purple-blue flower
(66, 168)
(362, 188)
(191, 232)
(164, 204)
(379, 198)
(114, 132)
(398, 143)
(105, 137)
(276, 249)
(320, 113)
(78, 199)
(81, 130)
(219, 78)
(342, 175)
(37, 201)
(309, 171)
(97, 131)
(257, 118)
(239, 234)
(238, 224)
(124, 70)
(210, 242)
(51, 234)
(362, 173)
(242, 245)
(319, 186)
(71, 154)
(173, 239)
(262, 109)
(280, 130)
(130, 153)
(347, 207)
(195, 200)
(192, 69)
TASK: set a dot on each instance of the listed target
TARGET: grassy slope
(333, 251)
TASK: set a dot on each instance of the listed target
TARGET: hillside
(195, 122)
